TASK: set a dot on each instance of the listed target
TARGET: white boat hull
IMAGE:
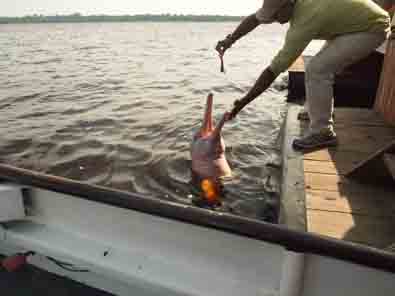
(128, 252)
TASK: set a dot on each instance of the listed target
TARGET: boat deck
(340, 207)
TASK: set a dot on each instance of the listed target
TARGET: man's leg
(319, 78)
(304, 114)
(320, 73)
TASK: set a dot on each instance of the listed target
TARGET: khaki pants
(336, 54)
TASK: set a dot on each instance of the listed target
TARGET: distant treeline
(79, 18)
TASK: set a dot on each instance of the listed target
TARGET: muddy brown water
(116, 104)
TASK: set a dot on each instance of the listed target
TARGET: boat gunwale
(292, 240)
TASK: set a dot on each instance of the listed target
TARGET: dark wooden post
(385, 99)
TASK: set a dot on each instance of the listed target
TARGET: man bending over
(352, 28)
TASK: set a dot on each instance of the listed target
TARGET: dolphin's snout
(207, 126)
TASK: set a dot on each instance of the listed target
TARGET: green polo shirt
(326, 19)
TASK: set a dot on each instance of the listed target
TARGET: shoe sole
(331, 143)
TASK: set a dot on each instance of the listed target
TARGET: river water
(116, 104)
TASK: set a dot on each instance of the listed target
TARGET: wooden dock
(334, 205)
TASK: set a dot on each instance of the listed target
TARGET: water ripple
(118, 106)
(48, 61)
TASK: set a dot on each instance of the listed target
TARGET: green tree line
(79, 18)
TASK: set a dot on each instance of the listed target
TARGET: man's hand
(223, 45)
(263, 82)
(237, 106)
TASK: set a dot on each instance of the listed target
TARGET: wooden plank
(328, 182)
(298, 65)
(373, 169)
(341, 184)
(336, 156)
(363, 139)
(389, 160)
(362, 132)
(340, 207)
(354, 143)
(373, 205)
(358, 116)
(375, 232)
(385, 99)
(362, 122)
(358, 140)
(327, 167)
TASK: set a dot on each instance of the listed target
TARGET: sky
(119, 7)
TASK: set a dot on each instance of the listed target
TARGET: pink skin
(208, 147)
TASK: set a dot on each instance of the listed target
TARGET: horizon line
(77, 14)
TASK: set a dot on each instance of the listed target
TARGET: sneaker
(322, 139)
(304, 116)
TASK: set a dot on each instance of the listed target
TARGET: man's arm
(295, 42)
(263, 82)
(247, 25)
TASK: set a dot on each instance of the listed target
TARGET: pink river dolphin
(209, 164)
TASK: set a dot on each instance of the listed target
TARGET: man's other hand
(223, 45)
(237, 106)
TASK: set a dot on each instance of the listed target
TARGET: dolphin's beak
(207, 126)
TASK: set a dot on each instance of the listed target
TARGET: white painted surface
(11, 203)
(327, 277)
(132, 253)
(292, 274)
(153, 253)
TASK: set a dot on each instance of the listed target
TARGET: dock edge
(293, 196)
